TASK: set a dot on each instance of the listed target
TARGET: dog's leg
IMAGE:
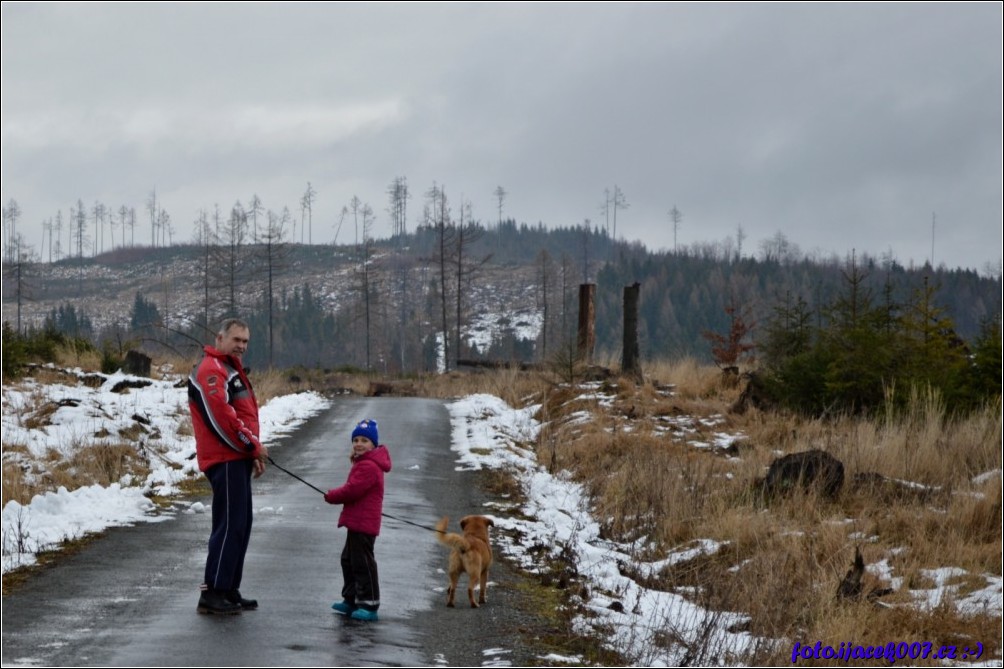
(452, 590)
(484, 586)
(471, 579)
(456, 568)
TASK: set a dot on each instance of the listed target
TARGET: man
(225, 419)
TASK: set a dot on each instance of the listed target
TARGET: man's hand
(259, 463)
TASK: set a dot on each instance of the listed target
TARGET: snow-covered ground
(48, 421)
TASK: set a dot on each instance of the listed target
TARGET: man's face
(233, 342)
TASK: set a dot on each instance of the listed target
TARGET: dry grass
(89, 464)
(690, 378)
(782, 563)
(167, 364)
(72, 356)
(15, 483)
(511, 385)
(271, 383)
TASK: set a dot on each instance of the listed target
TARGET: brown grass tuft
(85, 358)
(15, 483)
(101, 464)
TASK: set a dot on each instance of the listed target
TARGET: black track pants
(359, 571)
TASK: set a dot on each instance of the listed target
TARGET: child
(362, 497)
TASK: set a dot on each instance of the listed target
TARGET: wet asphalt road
(129, 598)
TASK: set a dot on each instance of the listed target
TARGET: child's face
(361, 444)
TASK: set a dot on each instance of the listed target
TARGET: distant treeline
(385, 305)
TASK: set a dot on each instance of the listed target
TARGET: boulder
(805, 471)
(136, 363)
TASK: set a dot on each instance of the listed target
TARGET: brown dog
(472, 553)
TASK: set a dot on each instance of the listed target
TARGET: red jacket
(224, 410)
(362, 493)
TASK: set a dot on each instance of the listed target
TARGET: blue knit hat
(368, 429)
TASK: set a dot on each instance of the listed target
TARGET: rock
(808, 470)
(136, 363)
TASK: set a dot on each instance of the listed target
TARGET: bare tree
(47, 234)
(18, 272)
(398, 196)
(467, 233)
(11, 213)
(779, 249)
(98, 212)
(402, 269)
(364, 270)
(79, 216)
(274, 256)
(338, 228)
(437, 215)
(123, 222)
(605, 208)
(205, 238)
(307, 202)
(166, 229)
(618, 201)
(230, 259)
(153, 210)
(566, 295)
(500, 196)
(675, 216)
(254, 208)
(356, 207)
(112, 224)
(546, 283)
(57, 230)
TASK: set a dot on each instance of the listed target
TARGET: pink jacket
(362, 494)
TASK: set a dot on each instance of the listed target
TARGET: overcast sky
(842, 126)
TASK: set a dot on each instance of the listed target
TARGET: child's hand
(329, 498)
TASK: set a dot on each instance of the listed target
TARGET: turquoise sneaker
(364, 614)
(345, 608)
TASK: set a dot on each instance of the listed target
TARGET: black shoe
(234, 597)
(215, 602)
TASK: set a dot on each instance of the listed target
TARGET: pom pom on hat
(368, 429)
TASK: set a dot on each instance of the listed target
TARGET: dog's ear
(463, 522)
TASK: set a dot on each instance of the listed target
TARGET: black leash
(276, 465)
(385, 515)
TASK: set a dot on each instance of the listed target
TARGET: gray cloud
(843, 126)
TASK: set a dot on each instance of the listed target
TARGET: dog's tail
(449, 538)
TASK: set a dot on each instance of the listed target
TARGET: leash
(385, 515)
(282, 469)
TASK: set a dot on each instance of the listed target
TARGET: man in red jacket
(225, 420)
